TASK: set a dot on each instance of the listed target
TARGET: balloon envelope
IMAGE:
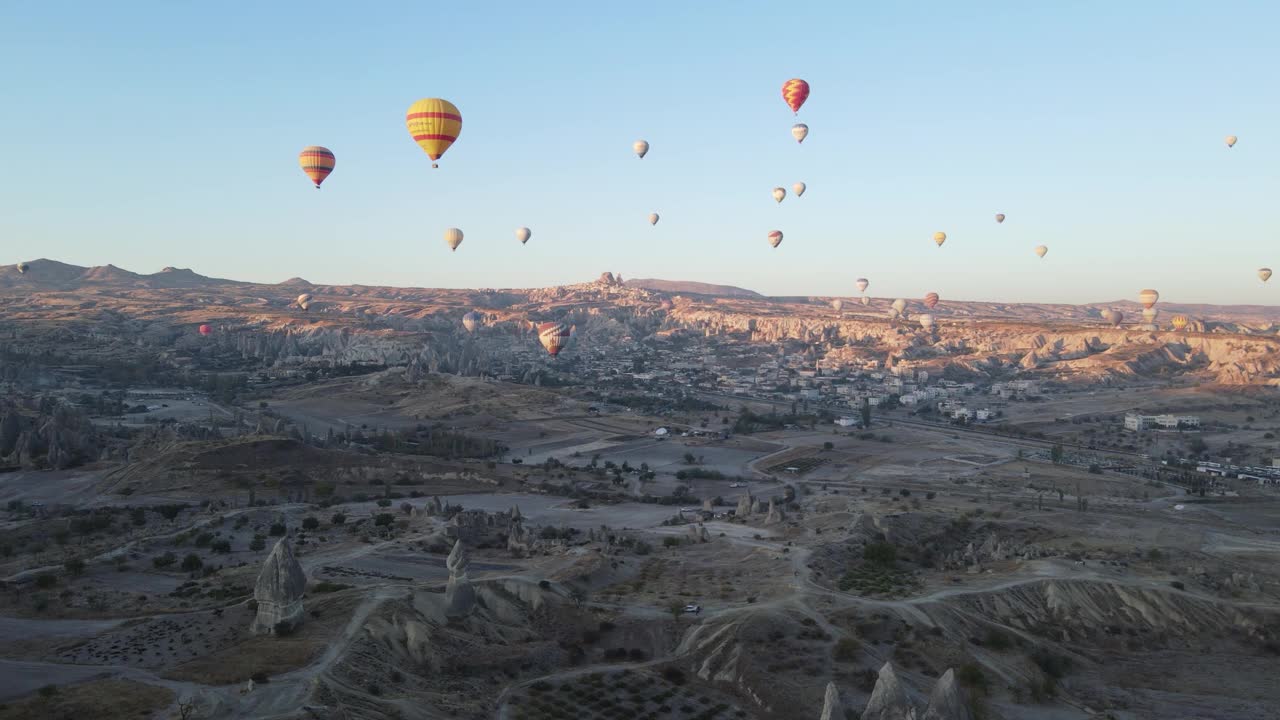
(775, 238)
(653, 218)
(523, 234)
(865, 300)
(434, 124)
(838, 304)
(206, 330)
(999, 217)
(1148, 297)
(1041, 250)
(899, 305)
(799, 189)
(795, 91)
(1179, 321)
(471, 321)
(1263, 273)
(799, 131)
(926, 321)
(317, 162)
(939, 238)
(23, 268)
(1231, 141)
(862, 284)
(779, 194)
(931, 300)
(641, 147)
(553, 336)
(453, 238)
(304, 301)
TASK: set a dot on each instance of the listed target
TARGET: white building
(848, 422)
(1138, 423)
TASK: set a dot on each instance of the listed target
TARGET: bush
(73, 566)
(972, 677)
(164, 561)
(192, 563)
(278, 529)
(670, 541)
(846, 650)
(997, 639)
(221, 546)
(1177, 585)
(310, 523)
(338, 519)
(880, 553)
(260, 677)
(46, 580)
(257, 543)
(1052, 664)
(384, 519)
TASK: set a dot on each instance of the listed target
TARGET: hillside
(690, 287)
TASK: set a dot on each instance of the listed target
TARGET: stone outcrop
(775, 514)
(708, 506)
(745, 504)
(831, 709)
(278, 591)
(889, 698)
(945, 703)
(518, 541)
(459, 596)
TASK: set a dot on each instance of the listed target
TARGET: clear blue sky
(147, 134)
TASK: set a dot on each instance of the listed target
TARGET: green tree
(1055, 453)
(866, 412)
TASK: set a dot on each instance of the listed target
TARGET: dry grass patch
(99, 699)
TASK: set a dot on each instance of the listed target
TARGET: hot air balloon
(999, 217)
(1148, 298)
(1264, 274)
(206, 330)
(798, 188)
(1179, 322)
(1041, 250)
(317, 162)
(894, 313)
(434, 125)
(795, 91)
(453, 238)
(554, 336)
(1149, 315)
(472, 320)
(862, 284)
(931, 300)
(900, 305)
(926, 321)
(775, 238)
(939, 238)
(837, 304)
(641, 147)
(799, 131)
(1231, 140)
(653, 218)
(779, 194)
(865, 300)
(523, 234)
(1113, 317)
(23, 268)
(304, 301)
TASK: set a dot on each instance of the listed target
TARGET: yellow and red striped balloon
(434, 125)
(317, 162)
(795, 91)
(931, 300)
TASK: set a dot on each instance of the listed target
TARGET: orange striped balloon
(553, 336)
(931, 300)
(434, 125)
(795, 91)
(317, 162)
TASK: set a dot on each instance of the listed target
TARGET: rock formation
(518, 543)
(279, 591)
(775, 515)
(945, 703)
(889, 698)
(707, 505)
(459, 596)
(745, 503)
(831, 709)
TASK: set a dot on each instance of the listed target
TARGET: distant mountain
(51, 274)
(689, 287)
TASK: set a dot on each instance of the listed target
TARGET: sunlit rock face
(279, 591)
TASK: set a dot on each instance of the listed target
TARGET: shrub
(164, 561)
(997, 639)
(1177, 585)
(310, 523)
(971, 676)
(384, 519)
(880, 553)
(846, 650)
(260, 677)
(257, 543)
(192, 563)
(73, 566)
(278, 529)
(338, 518)
(46, 580)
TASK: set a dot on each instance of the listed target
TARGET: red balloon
(206, 330)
